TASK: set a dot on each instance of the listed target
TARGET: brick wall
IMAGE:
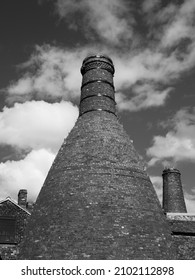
(183, 232)
(9, 210)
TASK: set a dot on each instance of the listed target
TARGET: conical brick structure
(173, 197)
(97, 201)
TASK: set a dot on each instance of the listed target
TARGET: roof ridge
(15, 203)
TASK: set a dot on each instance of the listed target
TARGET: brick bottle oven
(97, 201)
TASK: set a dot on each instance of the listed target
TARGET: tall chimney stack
(173, 198)
(22, 198)
(97, 201)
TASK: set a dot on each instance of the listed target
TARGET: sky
(42, 46)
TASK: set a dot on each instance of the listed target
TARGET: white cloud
(179, 143)
(51, 72)
(28, 173)
(22, 86)
(144, 96)
(37, 124)
(110, 19)
(156, 64)
(190, 205)
(181, 23)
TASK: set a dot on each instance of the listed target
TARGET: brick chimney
(97, 90)
(97, 201)
(22, 198)
(173, 198)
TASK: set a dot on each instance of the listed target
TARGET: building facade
(13, 219)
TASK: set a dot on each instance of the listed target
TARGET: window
(7, 230)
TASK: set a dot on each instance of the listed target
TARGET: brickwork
(97, 201)
(99, 88)
(173, 198)
(22, 198)
(9, 210)
(9, 252)
(97, 91)
(185, 247)
(97, 103)
(183, 232)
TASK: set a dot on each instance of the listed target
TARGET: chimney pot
(22, 198)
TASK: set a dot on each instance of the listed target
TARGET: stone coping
(181, 216)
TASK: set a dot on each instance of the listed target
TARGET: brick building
(13, 218)
(97, 201)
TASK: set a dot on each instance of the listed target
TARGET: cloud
(168, 53)
(56, 74)
(179, 143)
(181, 24)
(36, 127)
(190, 201)
(150, 5)
(111, 20)
(37, 124)
(145, 96)
(28, 173)
(190, 205)
(50, 73)
(145, 72)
